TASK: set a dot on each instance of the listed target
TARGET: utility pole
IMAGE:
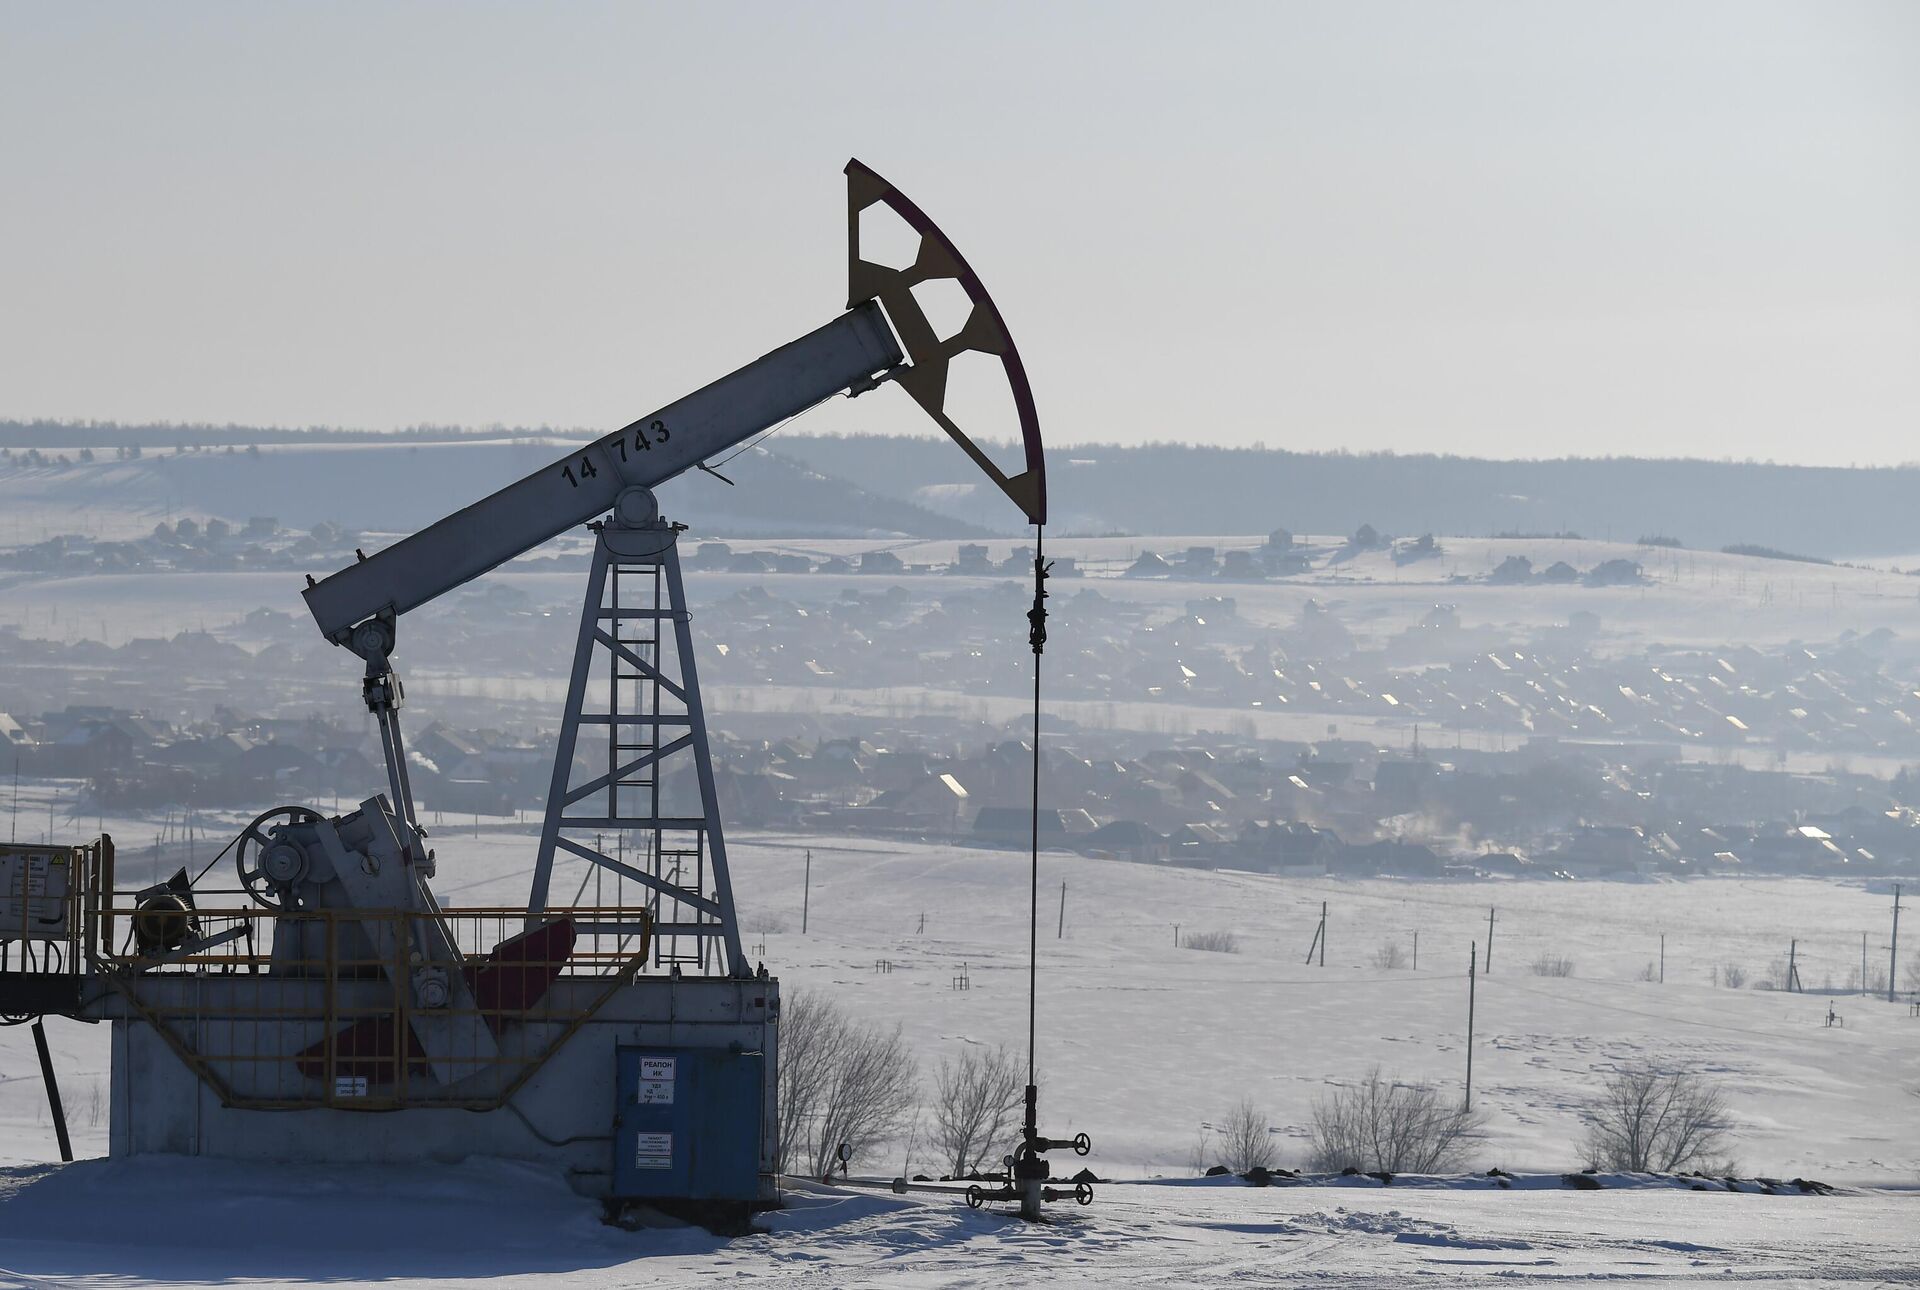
(1416, 949)
(1663, 958)
(1793, 966)
(1176, 936)
(806, 892)
(1473, 971)
(1893, 954)
(1323, 933)
(1863, 963)
(1489, 938)
(1062, 932)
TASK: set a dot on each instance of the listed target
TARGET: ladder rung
(633, 719)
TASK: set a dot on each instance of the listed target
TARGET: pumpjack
(624, 1038)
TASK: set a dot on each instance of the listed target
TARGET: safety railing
(370, 1009)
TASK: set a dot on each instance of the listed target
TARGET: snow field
(186, 1221)
(1144, 1044)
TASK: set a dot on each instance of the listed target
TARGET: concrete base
(562, 1116)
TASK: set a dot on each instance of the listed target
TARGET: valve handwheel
(269, 867)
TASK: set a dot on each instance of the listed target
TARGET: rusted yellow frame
(119, 971)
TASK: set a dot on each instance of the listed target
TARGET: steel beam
(584, 483)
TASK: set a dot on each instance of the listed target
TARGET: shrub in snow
(1383, 1126)
(764, 922)
(1390, 956)
(1553, 965)
(1778, 975)
(1652, 1121)
(1217, 942)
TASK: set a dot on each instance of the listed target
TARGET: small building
(1198, 562)
(710, 555)
(1124, 840)
(1241, 566)
(1013, 825)
(972, 561)
(936, 802)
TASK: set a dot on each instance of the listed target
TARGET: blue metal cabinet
(687, 1126)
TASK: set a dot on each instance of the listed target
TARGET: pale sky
(1505, 229)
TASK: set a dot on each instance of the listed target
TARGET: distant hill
(1832, 512)
(859, 485)
(387, 484)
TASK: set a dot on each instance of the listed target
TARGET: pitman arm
(582, 485)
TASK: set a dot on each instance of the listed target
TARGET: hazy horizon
(1493, 230)
(995, 445)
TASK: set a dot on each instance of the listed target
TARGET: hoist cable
(1037, 639)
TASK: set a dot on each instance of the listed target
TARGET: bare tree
(1246, 1138)
(1217, 942)
(870, 1090)
(1390, 956)
(812, 1030)
(1651, 1121)
(1380, 1124)
(977, 1102)
(1733, 976)
(1197, 1162)
(840, 1081)
(1553, 965)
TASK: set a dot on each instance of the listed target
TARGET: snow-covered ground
(1142, 1046)
(160, 1221)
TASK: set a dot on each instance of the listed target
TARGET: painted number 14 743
(643, 440)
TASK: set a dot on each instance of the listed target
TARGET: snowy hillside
(404, 485)
(1144, 1044)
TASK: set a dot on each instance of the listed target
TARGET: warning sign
(653, 1151)
(349, 1085)
(656, 1082)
